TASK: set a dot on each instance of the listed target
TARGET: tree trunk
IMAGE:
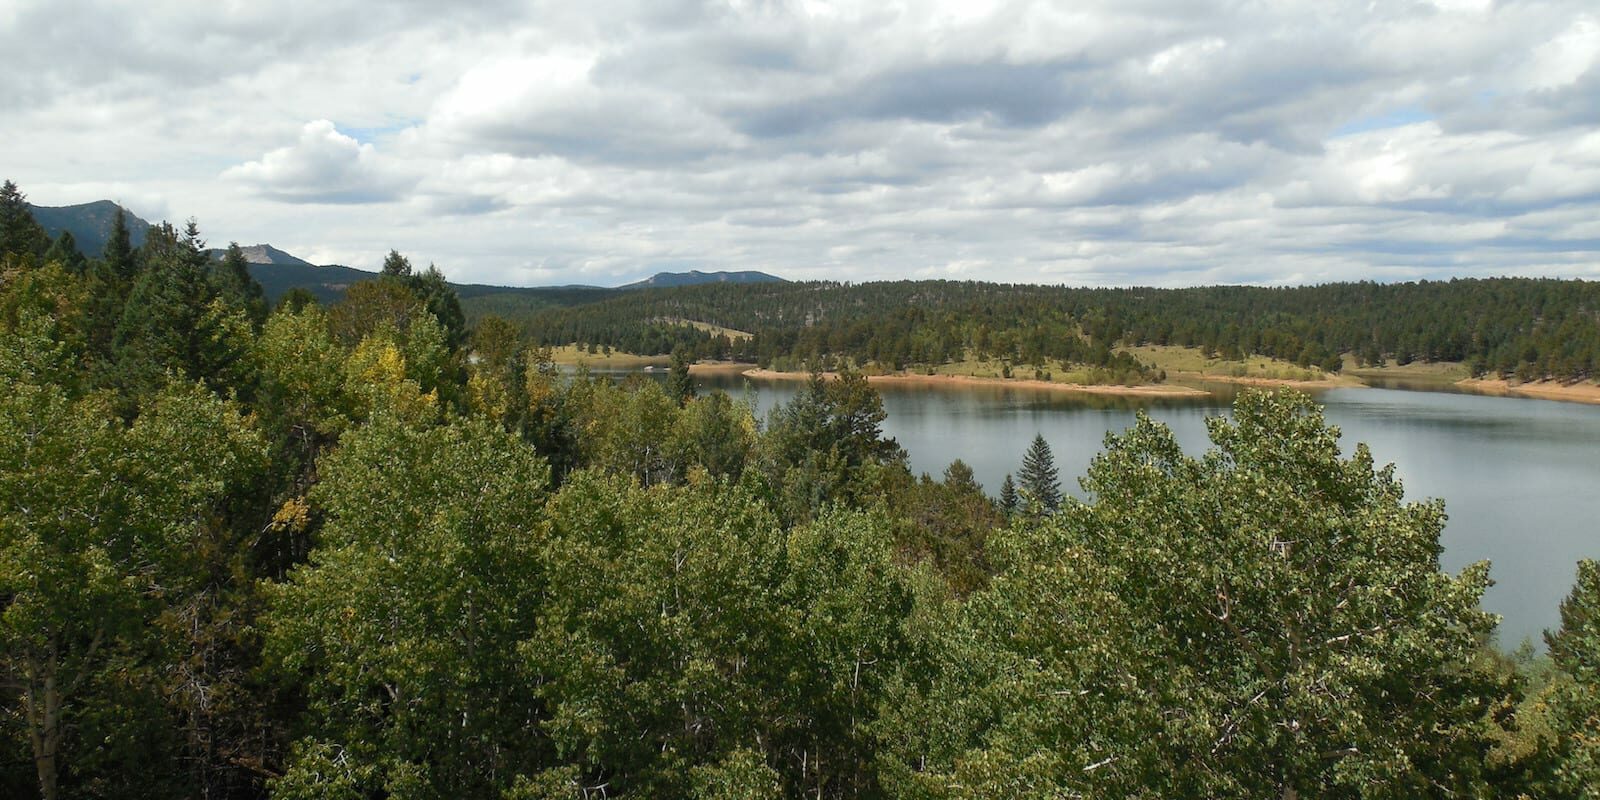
(44, 725)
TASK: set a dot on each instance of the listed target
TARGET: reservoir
(1520, 478)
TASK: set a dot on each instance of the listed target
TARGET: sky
(1135, 142)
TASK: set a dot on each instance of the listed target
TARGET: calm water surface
(1520, 478)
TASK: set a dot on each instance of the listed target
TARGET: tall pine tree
(1008, 496)
(20, 236)
(1040, 481)
(235, 284)
(680, 384)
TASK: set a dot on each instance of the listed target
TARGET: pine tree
(111, 279)
(1575, 649)
(680, 385)
(1040, 481)
(439, 298)
(64, 251)
(396, 265)
(235, 284)
(119, 256)
(168, 325)
(20, 235)
(1008, 496)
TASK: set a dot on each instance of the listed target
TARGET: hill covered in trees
(317, 551)
(1514, 327)
(694, 277)
(90, 224)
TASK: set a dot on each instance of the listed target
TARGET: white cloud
(324, 166)
(1098, 142)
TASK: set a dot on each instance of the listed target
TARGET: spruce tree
(119, 256)
(439, 298)
(1575, 649)
(237, 286)
(1038, 475)
(680, 385)
(20, 235)
(111, 279)
(1008, 496)
(396, 265)
(64, 251)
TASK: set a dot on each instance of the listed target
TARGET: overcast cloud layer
(1164, 142)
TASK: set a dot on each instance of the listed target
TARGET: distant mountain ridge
(694, 277)
(264, 254)
(90, 224)
(279, 271)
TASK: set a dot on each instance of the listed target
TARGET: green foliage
(98, 532)
(824, 445)
(680, 386)
(401, 627)
(233, 282)
(1575, 700)
(396, 265)
(1040, 481)
(21, 238)
(64, 251)
(1268, 619)
(335, 555)
(948, 522)
(175, 323)
(690, 627)
(1505, 327)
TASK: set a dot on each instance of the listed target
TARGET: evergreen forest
(384, 548)
(1520, 328)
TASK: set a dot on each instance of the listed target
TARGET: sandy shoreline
(1163, 390)
(720, 367)
(1581, 392)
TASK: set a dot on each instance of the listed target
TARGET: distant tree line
(1524, 328)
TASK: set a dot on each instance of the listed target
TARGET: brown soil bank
(1580, 392)
(1164, 390)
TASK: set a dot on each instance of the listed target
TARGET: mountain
(264, 254)
(694, 277)
(90, 224)
(278, 272)
(278, 276)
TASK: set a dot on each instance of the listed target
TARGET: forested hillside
(1512, 327)
(319, 552)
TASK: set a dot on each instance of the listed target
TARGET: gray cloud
(1102, 143)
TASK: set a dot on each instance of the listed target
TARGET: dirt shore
(1581, 392)
(720, 367)
(1164, 390)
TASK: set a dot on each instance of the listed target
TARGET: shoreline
(718, 367)
(1581, 392)
(1146, 390)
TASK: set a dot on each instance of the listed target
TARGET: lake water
(1520, 478)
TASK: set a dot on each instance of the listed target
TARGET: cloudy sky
(1164, 142)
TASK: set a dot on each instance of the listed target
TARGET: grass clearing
(714, 330)
(572, 355)
(1441, 371)
(1193, 360)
